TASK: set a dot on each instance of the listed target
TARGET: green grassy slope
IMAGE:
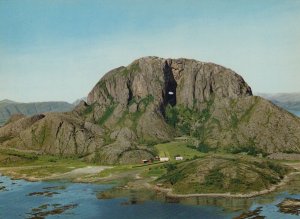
(222, 174)
(171, 149)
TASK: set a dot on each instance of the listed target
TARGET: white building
(164, 159)
(178, 158)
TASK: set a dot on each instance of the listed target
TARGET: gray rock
(126, 112)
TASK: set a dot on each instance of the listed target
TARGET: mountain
(8, 108)
(76, 102)
(154, 100)
(5, 102)
(288, 101)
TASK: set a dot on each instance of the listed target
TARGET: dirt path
(79, 172)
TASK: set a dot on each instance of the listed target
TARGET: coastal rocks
(46, 210)
(290, 206)
(251, 214)
(3, 188)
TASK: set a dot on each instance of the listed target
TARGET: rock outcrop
(153, 100)
(9, 108)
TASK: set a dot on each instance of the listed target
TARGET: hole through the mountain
(171, 93)
(170, 86)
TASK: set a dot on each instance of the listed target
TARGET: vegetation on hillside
(36, 165)
(221, 174)
(172, 149)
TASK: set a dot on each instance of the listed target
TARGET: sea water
(61, 199)
(22, 199)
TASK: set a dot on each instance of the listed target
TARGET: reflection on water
(260, 206)
(21, 199)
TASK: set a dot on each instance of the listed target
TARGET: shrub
(277, 168)
(249, 150)
(204, 148)
(184, 128)
(174, 178)
(171, 115)
(214, 178)
(170, 167)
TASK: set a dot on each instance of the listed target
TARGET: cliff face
(149, 85)
(153, 100)
(183, 82)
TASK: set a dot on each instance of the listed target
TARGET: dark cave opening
(130, 95)
(170, 86)
(170, 93)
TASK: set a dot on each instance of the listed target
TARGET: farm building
(178, 158)
(164, 159)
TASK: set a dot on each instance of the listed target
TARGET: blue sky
(59, 49)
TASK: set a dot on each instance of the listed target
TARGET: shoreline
(73, 174)
(169, 193)
(76, 177)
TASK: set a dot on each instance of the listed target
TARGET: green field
(174, 148)
(33, 165)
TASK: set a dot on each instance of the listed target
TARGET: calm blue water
(15, 202)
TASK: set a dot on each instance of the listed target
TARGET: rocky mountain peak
(153, 100)
(169, 81)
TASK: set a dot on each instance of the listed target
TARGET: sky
(57, 50)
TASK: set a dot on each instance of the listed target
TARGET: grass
(181, 118)
(223, 173)
(32, 164)
(248, 113)
(234, 121)
(226, 173)
(48, 170)
(19, 154)
(249, 149)
(135, 116)
(108, 112)
(203, 148)
(154, 171)
(114, 170)
(214, 179)
(89, 109)
(171, 149)
(133, 68)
